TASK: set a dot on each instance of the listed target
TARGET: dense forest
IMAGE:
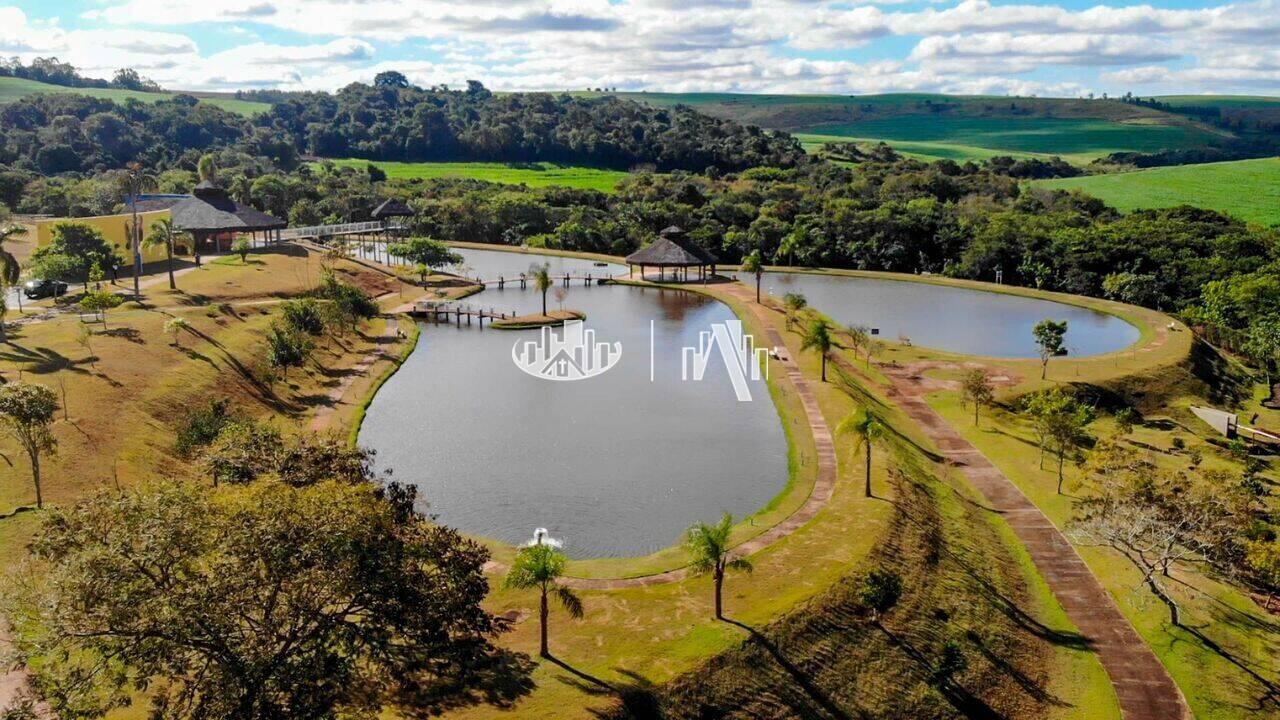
(389, 120)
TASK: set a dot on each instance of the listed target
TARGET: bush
(202, 426)
(879, 591)
(287, 348)
(304, 316)
(350, 303)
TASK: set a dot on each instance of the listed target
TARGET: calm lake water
(613, 465)
(951, 318)
(618, 464)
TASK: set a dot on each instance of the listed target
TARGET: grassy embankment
(1247, 189)
(540, 174)
(14, 88)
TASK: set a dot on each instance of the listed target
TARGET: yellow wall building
(113, 227)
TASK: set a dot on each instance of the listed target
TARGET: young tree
(794, 303)
(27, 412)
(287, 348)
(560, 294)
(869, 428)
(860, 341)
(99, 302)
(174, 327)
(425, 251)
(709, 547)
(1263, 344)
(1059, 420)
(977, 389)
(164, 234)
(818, 337)
(241, 247)
(878, 591)
(753, 263)
(303, 315)
(254, 603)
(537, 567)
(541, 276)
(1049, 335)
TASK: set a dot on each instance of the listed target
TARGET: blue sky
(1062, 48)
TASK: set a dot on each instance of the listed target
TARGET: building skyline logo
(742, 359)
(572, 355)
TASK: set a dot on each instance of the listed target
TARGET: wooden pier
(456, 312)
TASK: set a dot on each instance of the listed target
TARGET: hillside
(1247, 189)
(959, 127)
(12, 88)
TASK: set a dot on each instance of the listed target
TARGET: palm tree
(868, 427)
(754, 264)
(135, 180)
(541, 275)
(709, 545)
(163, 233)
(10, 270)
(794, 302)
(818, 337)
(537, 567)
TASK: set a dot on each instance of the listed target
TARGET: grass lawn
(1247, 189)
(13, 88)
(1079, 140)
(531, 174)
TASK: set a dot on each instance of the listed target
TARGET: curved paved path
(1143, 686)
(823, 485)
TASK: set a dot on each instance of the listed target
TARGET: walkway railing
(323, 231)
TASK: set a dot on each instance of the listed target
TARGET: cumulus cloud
(835, 46)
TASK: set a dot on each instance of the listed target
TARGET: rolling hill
(1247, 189)
(13, 88)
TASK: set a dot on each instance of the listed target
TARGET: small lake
(613, 465)
(948, 318)
(620, 464)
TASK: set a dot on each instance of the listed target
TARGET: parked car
(36, 289)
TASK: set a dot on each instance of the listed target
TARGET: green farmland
(1079, 140)
(1248, 189)
(926, 151)
(531, 174)
(13, 88)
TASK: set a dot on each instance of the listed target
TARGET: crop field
(1080, 140)
(926, 151)
(13, 88)
(1248, 189)
(531, 174)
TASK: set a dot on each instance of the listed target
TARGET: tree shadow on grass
(801, 678)
(42, 360)
(124, 333)
(965, 702)
(499, 678)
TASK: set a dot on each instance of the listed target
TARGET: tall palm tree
(709, 546)
(541, 275)
(10, 270)
(135, 180)
(869, 428)
(818, 337)
(753, 263)
(537, 567)
(163, 233)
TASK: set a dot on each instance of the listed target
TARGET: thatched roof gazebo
(395, 207)
(673, 250)
(212, 217)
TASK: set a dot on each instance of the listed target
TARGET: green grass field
(926, 151)
(13, 88)
(1225, 101)
(532, 174)
(1248, 189)
(1080, 140)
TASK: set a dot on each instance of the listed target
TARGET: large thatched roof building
(673, 250)
(213, 218)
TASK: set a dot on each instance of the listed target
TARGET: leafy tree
(253, 603)
(27, 412)
(174, 327)
(879, 590)
(350, 303)
(242, 248)
(99, 302)
(242, 451)
(869, 428)
(1060, 421)
(83, 244)
(1049, 335)
(794, 303)
(541, 276)
(425, 251)
(860, 340)
(164, 235)
(287, 348)
(817, 336)
(976, 388)
(53, 266)
(709, 549)
(201, 426)
(391, 79)
(1263, 344)
(753, 264)
(1126, 418)
(537, 567)
(10, 270)
(303, 315)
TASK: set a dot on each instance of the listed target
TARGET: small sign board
(875, 331)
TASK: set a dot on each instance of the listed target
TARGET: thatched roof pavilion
(395, 207)
(212, 217)
(674, 250)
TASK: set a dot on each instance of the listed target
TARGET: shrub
(287, 348)
(201, 427)
(879, 590)
(304, 315)
(242, 451)
(242, 247)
